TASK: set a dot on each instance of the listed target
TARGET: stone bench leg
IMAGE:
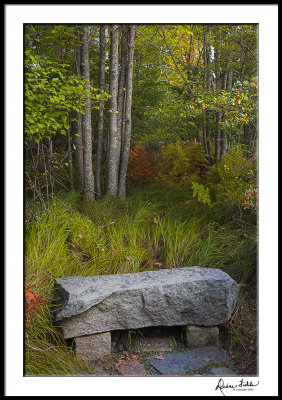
(201, 336)
(93, 347)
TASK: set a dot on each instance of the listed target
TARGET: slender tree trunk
(226, 85)
(99, 155)
(114, 139)
(121, 88)
(86, 119)
(70, 155)
(78, 144)
(248, 140)
(206, 131)
(205, 134)
(217, 138)
(224, 145)
(128, 103)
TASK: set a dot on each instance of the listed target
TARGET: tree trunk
(248, 140)
(114, 139)
(78, 144)
(99, 154)
(217, 138)
(70, 154)
(86, 119)
(224, 145)
(226, 85)
(127, 111)
(122, 89)
(206, 131)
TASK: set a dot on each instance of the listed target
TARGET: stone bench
(88, 309)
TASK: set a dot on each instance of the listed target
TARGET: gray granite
(177, 296)
(221, 371)
(191, 360)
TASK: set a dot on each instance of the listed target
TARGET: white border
(15, 16)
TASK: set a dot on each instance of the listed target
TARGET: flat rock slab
(177, 296)
(131, 368)
(221, 371)
(188, 361)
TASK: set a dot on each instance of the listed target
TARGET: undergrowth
(152, 228)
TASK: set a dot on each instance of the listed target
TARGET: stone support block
(201, 336)
(93, 347)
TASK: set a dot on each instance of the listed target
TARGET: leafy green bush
(233, 177)
(183, 162)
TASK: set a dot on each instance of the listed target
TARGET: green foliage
(51, 93)
(182, 162)
(233, 176)
(238, 106)
(202, 193)
(177, 159)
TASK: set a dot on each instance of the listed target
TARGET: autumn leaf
(158, 264)
(29, 295)
(159, 357)
(118, 364)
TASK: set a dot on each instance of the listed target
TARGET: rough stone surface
(221, 371)
(93, 347)
(177, 296)
(201, 336)
(153, 344)
(188, 361)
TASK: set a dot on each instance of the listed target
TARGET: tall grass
(150, 229)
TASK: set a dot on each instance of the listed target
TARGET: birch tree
(99, 154)
(86, 119)
(114, 138)
(127, 114)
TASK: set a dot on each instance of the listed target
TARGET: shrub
(140, 168)
(183, 162)
(233, 177)
(32, 303)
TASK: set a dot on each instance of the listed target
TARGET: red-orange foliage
(32, 303)
(140, 168)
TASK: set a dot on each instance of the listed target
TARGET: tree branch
(175, 63)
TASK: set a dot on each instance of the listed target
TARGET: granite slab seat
(167, 297)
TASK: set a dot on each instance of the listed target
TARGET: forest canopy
(95, 92)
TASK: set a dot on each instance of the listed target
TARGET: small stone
(93, 347)
(201, 336)
(131, 368)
